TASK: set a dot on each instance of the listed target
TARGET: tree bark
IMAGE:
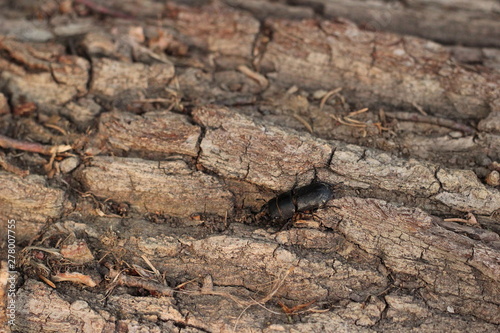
(185, 120)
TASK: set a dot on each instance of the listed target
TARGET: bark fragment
(43, 310)
(461, 24)
(266, 155)
(40, 88)
(157, 132)
(112, 77)
(463, 191)
(376, 68)
(217, 28)
(168, 187)
(62, 77)
(449, 22)
(238, 147)
(30, 202)
(385, 171)
(411, 244)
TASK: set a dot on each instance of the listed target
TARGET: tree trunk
(141, 142)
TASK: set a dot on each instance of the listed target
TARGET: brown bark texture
(141, 140)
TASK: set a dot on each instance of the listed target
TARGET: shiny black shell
(312, 196)
(308, 197)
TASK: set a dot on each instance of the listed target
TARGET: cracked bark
(177, 154)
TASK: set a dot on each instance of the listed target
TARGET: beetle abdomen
(312, 196)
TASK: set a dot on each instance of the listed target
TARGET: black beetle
(308, 197)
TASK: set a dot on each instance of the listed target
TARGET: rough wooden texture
(112, 77)
(413, 245)
(461, 189)
(234, 145)
(30, 201)
(458, 189)
(344, 269)
(186, 120)
(224, 31)
(49, 312)
(168, 187)
(151, 133)
(346, 259)
(378, 69)
(60, 77)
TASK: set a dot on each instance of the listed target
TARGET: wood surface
(140, 141)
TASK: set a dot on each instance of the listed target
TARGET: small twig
(327, 96)
(182, 285)
(407, 116)
(343, 122)
(295, 309)
(49, 166)
(303, 122)
(51, 250)
(153, 268)
(12, 168)
(47, 281)
(261, 79)
(33, 147)
(57, 128)
(419, 108)
(381, 128)
(138, 282)
(354, 113)
(456, 219)
(471, 220)
(75, 277)
(354, 121)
